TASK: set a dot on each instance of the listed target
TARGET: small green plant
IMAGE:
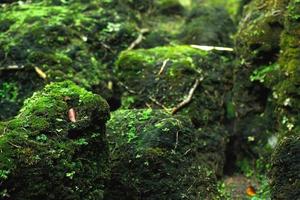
(261, 73)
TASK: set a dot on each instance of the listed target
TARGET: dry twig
(163, 66)
(188, 99)
(138, 40)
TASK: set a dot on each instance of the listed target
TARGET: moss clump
(44, 155)
(74, 41)
(159, 156)
(149, 83)
(285, 181)
(207, 25)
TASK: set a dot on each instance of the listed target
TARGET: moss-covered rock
(164, 76)
(285, 180)
(159, 156)
(56, 40)
(207, 25)
(258, 35)
(56, 148)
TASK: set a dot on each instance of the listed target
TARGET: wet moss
(44, 155)
(159, 156)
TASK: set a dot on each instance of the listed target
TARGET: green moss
(68, 41)
(258, 37)
(45, 155)
(151, 150)
(150, 83)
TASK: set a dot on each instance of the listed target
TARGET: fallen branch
(163, 66)
(188, 99)
(138, 40)
(210, 48)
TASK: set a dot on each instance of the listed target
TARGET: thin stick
(12, 67)
(158, 103)
(176, 144)
(163, 66)
(188, 99)
(138, 39)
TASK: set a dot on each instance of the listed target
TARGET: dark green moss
(285, 181)
(207, 25)
(44, 155)
(159, 156)
(258, 36)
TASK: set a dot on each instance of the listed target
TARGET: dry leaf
(250, 191)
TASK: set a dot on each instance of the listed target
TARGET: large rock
(164, 76)
(258, 35)
(159, 156)
(56, 148)
(207, 25)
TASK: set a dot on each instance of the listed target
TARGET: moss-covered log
(159, 156)
(56, 148)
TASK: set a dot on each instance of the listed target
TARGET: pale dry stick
(210, 48)
(163, 66)
(188, 99)
(12, 67)
(138, 40)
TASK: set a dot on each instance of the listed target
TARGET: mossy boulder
(55, 40)
(163, 77)
(159, 156)
(56, 148)
(285, 180)
(285, 169)
(207, 25)
(258, 35)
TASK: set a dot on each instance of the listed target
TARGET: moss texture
(259, 30)
(148, 83)
(285, 181)
(286, 161)
(72, 40)
(159, 156)
(44, 155)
